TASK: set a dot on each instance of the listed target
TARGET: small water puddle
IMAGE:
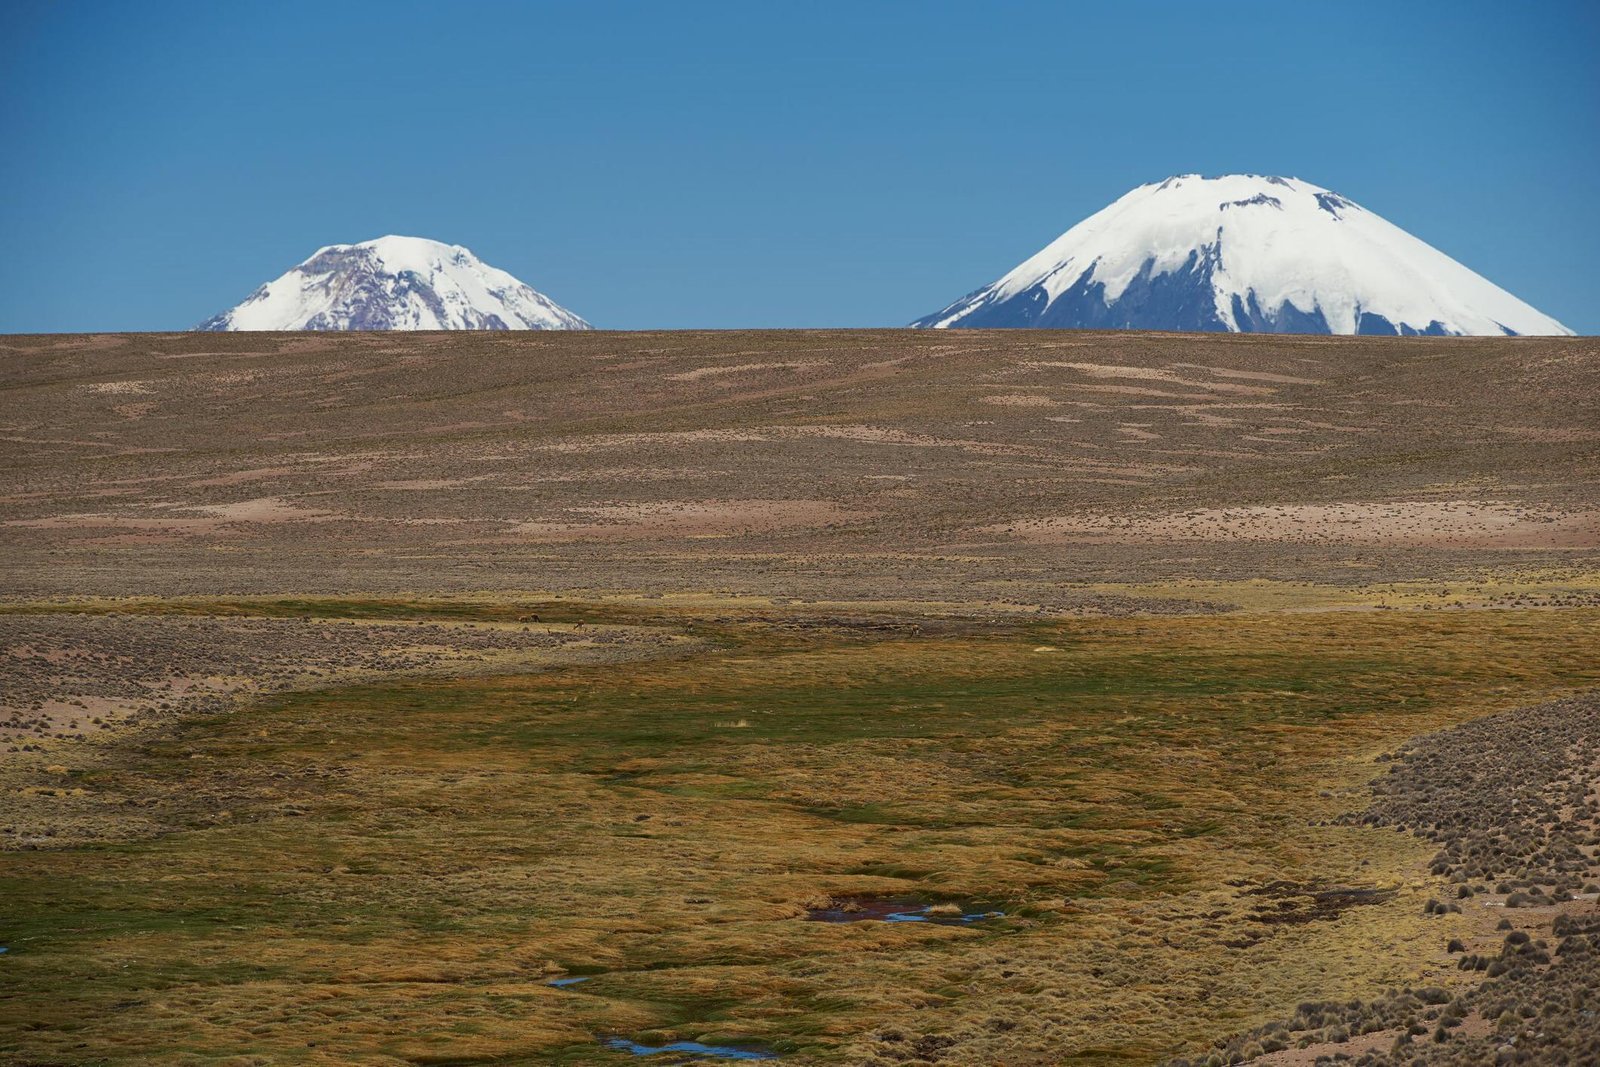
(898, 910)
(562, 983)
(725, 1052)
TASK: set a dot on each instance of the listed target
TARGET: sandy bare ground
(1450, 524)
(686, 518)
(979, 466)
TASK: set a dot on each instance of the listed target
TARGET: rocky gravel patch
(1511, 799)
(1512, 802)
(1539, 1008)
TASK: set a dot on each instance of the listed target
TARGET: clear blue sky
(757, 163)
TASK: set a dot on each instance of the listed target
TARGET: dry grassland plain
(520, 699)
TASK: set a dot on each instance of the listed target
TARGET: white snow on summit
(1244, 253)
(396, 283)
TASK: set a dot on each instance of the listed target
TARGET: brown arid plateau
(845, 697)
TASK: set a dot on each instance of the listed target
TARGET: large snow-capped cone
(1246, 254)
(396, 283)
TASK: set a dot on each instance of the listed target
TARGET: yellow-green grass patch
(393, 873)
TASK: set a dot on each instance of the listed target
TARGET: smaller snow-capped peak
(395, 283)
(1244, 253)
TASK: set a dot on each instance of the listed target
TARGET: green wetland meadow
(412, 871)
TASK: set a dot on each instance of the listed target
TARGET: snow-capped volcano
(395, 283)
(1247, 254)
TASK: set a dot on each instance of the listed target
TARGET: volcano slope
(458, 698)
